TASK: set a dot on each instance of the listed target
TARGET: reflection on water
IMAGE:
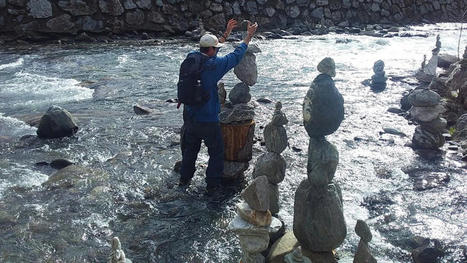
(132, 193)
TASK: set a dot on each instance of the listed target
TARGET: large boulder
(272, 165)
(246, 70)
(319, 223)
(56, 123)
(323, 107)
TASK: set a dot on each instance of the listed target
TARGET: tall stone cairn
(254, 223)
(363, 254)
(238, 111)
(428, 71)
(272, 164)
(426, 110)
(319, 223)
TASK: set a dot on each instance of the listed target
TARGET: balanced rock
(436, 125)
(117, 255)
(323, 107)
(424, 98)
(327, 66)
(279, 117)
(247, 70)
(253, 239)
(274, 205)
(56, 123)
(237, 113)
(323, 158)
(363, 254)
(222, 93)
(363, 231)
(257, 194)
(254, 217)
(426, 114)
(272, 165)
(319, 223)
(426, 139)
(275, 138)
(296, 256)
(240, 94)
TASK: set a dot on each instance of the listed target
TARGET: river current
(134, 196)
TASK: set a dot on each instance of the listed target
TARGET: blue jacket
(215, 68)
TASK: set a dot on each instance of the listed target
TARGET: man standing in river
(201, 123)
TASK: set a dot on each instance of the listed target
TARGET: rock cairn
(319, 223)
(363, 254)
(56, 123)
(272, 164)
(237, 117)
(117, 255)
(378, 80)
(426, 110)
(254, 223)
(428, 71)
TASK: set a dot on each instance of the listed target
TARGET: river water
(133, 195)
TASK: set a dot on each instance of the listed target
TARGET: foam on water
(14, 174)
(33, 90)
(15, 64)
(11, 127)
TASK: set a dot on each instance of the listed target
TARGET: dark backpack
(189, 89)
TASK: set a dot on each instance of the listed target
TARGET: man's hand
(230, 26)
(250, 30)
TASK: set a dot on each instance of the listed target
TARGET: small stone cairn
(319, 223)
(272, 164)
(426, 110)
(363, 252)
(296, 256)
(239, 111)
(117, 255)
(378, 80)
(254, 223)
(428, 72)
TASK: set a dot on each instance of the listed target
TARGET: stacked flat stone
(378, 80)
(296, 256)
(426, 110)
(319, 223)
(428, 71)
(363, 254)
(239, 110)
(254, 223)
(272, 164)
(117, 255)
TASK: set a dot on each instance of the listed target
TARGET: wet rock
(394, 110)
(56, 123)
(430, 180)
(60, 163)
(405, 103)
(254, 217)
(429, 252)
(426, 114)
(424, 98)
(75, 175)
(256, 195)
(264, 100)
(436, 125)
(40, 8)
(141, 110)
(177, 166)
(323, 107)
(272, 165)
(247, 70)
(319, 223)
(240, 94)
(426, 139)
(394, 131)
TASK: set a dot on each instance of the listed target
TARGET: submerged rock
(56, 123)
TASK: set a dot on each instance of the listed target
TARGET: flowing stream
(133, 193)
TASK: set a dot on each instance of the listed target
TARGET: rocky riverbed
(122, 181)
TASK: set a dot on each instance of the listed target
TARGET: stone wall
(47, 18)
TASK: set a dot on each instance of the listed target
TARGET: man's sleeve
(230, 60)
